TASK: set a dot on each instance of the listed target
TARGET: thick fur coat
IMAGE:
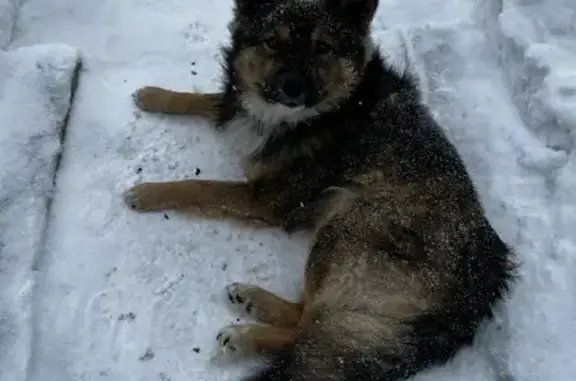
(405, 265)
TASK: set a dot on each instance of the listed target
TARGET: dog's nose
(292, 88)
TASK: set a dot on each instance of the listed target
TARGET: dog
(404, 265)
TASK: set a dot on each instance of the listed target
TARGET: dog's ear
(246, 8)
(358, 12)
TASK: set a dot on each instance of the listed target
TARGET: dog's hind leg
(159, 100)
(254, 339)
(264, 305)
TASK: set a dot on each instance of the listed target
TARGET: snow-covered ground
(92, 291)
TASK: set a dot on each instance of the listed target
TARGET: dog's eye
(271, 43)
(323, 47)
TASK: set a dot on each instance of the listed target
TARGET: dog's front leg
(159, 100)
(206, 198)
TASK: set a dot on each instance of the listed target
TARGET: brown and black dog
(405, 265)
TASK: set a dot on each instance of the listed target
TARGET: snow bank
(36, 86)
(539, 45)
(8, 15)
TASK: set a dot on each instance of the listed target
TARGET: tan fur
(337, 76)
(256, 66)
(224, 199)
(339, 79)
(156, 99)
(265, 306)
(255, 338)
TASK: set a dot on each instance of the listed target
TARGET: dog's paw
(233, 340)
(150, 98)
(240, 295)
(142, 197)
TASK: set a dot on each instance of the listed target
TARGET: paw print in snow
(196, 32)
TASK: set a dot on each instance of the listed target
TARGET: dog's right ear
(251, 7)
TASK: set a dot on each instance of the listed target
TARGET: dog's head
(298, 57)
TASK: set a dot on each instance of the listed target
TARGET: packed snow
(93, 291)
(36, 85)
(8, 15)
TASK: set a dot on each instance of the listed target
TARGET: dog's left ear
(356, 11)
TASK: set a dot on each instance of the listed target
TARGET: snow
(35, 88)
(8, 15)
(93, 291)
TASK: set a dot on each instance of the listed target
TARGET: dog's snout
(292, 88)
